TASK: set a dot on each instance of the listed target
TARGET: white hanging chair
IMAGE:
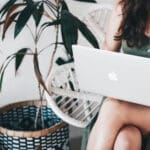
(74, 106)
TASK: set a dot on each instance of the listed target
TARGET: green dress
(144, 52)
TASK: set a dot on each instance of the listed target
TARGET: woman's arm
(113, 29)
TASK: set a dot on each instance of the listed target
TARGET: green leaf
(69, 30)
(37, 14)
(11, 15)
(8, 21)
(23, 19)
(19, 57)
(64, 6)
(92, 1)
(87, 33)
(61, 61)
(6, 7)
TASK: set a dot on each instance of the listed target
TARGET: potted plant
(18, 12)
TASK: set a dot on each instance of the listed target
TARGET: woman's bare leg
(107, 126)
(113, 116)
(128, 138)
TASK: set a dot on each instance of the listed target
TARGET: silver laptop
(122, 76)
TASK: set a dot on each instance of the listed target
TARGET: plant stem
(51, 4)
(51, 10)
(36, 117)
(48, 16)
(45, 48)
(41, 105)
(55, 49)
(56, 44)
(40, 91)
(51, 63)
(40, 31)
(33, 37)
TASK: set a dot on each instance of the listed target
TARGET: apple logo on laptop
(112, 76)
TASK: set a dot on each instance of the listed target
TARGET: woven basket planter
(54, 137)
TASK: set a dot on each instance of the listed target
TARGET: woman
(121, 125)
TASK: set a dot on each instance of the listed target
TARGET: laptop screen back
(113, 74)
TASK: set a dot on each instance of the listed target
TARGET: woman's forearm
(111, 46)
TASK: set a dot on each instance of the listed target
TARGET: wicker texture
(74, 106)
(54, 137)
(97, 20)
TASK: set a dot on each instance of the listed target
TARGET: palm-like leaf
(8, 21)
(61, 61)
(13, 8)
(69, 29)
(38, 12)
(10, 17)
(19, 57)
(68, 22)
(64, 6)
(23, 19)
(6, 7)
(87, 33)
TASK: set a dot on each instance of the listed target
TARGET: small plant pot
(17, 130)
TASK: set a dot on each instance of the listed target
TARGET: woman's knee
(113, 103)
(129, 138)
(114, 108)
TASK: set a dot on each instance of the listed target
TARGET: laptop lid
(122, 76)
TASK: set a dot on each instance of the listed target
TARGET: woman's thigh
(135, 114)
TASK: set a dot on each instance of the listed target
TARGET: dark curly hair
(136, 16)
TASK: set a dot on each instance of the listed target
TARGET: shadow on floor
(75, 143)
